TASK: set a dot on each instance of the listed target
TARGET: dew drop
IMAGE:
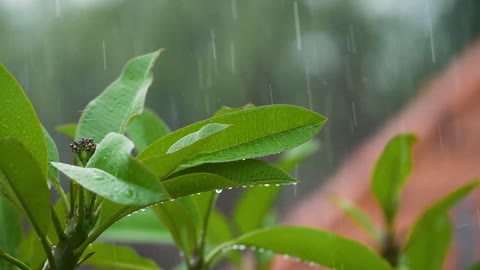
(218, 190)
(267, 185)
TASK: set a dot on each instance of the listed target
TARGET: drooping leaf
(311, 246)
(359, 217)
(19, 121)
(53, 173)
(429, 239)
(208, 177)
(391, 171)
(117, 257)
(114, 175)
(255, 203)
(254, 133)
(10, 230)
(225, 109)
(120, 101)
(141, 227)
(24, 185)
(145, 129)
(68, 130)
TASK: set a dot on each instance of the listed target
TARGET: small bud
(83, 149)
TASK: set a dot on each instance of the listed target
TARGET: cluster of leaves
(173, 182)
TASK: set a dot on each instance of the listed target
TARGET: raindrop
(104, 50)
(267, 185)
(271, 93)
(430, 30)
(218, 190)
(57, 8)
(232, 56)
(214, 49)
(277, 185)
(309, 90)
(354, 112)
(234, 9)
(297, 25)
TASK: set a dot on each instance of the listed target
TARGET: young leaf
(391, 171)
(10, 230)
(24, 185)
(254, 133)
(145, 129)
(194, 137)
(309, 245)
(53, 173)
(141, 227)
(68, 130)
(113, 174)
(120, 101)
(429, 239)
(359, 217)
(117, 257)
(19, 121)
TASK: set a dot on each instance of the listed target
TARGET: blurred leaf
(218, 232)
(120, 101)
(194, 137)
(309, 245)
(255, 203)
(24, 185)
(433, 226)
(117, 257)
(53, 173)
(146, 128)
(208, 177)
(10, 231)
(391, 171)
(141, 227)
(255, 132)
(359, 217)
(475, 266)
(113, 174)
(225, 109)
(68, 130)
(19, 120)
(181, 218)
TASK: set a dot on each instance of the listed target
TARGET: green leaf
(114, 175)
(10, 230)
(225, 109)
(255, 203)
(141, 227)
(218, 232)
(194, 137)
(120, 101)
(309, 245)
(145, 129)
(208, 177)
(359, 217)
(24, 185)
(53, 173)
(429, 239)
(391, 171)
(19, 121)
(475, 266)
(117, 257)
(254, 133)
(68, 130)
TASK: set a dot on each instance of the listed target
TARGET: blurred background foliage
(355, 61)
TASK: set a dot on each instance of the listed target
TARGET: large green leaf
(112, 173)
(120, 101)
(145, 129)
(19, 121)
(10, 230)
(213, 176)
(391, 171)
(309, 245)
(107, 256)
(255, 132)
(68, 130)
(24, 185)
(141, 227)
(255, 203)
(430, 237)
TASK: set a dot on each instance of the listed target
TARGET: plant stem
(56, 225)
(63, 197)
(199, 257)
(13, 260)
(390, 249)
